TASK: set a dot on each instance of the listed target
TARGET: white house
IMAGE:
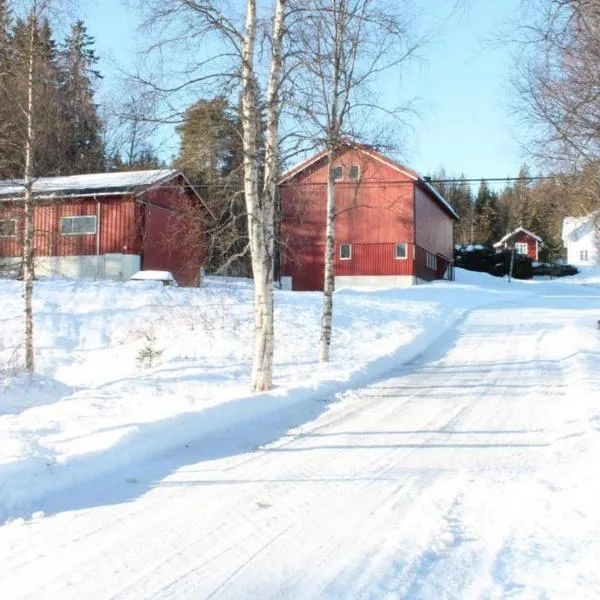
(581, 238)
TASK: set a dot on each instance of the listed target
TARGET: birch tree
(342, 47)
(27, 76)
(197, 20)
(28, 105)
(556, 81)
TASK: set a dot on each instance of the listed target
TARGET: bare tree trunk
(261, 208)
(329, 277)
(28, 273)
(262, 221)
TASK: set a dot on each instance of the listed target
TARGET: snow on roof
(439, 198)
(572, 224)
(95, 183)
(518, 230)
(152, 276)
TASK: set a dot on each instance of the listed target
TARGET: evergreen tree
(67, 138)
(6, 106)
(210, 148)
(81, 139)
(458, 194)
(487, 222)
(211, 156)
(45, 91)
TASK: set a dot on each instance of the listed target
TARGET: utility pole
(512, 261)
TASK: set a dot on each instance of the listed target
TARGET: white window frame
(431, 261)
(583, 255)
(349, 257)
(520, 246)
(405, 245)
(357, 178)
(76, 217)
(10, 235)
(341, 171)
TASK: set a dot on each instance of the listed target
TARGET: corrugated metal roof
(95, 183)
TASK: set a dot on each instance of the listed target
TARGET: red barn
(523, 241)
(392, 227)
(107, 225)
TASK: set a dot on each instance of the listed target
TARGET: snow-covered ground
(447, 451)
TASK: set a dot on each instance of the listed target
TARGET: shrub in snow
(486, 260)
(10, 362)
(476, 258)
(555, 269)
(148, 355)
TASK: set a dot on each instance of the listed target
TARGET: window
(401, 251)
(583, 255)
(431, 261)
(338, 173)
(354, 173)
(78, 225)
(8, 228)
(345, 251)
(521, 248)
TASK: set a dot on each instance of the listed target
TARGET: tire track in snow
(408, 477)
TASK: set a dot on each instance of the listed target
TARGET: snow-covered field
(447, 451)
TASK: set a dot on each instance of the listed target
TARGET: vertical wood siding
(168, 235)
(434, 228)
(173, 232)
(374, 259)
(11, 246)
(373, 214)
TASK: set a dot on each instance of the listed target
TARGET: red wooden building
(107, 225)
(393, 228)
(523, 241)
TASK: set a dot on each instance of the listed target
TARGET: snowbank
(98, 403)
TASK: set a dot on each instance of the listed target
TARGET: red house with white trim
(523, 241)
(107, 225)
(392, 228)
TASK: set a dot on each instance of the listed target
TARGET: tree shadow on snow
(147, 455)
(23, 392)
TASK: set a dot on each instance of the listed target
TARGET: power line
(506, 179)
(239, 187)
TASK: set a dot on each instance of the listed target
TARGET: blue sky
(460, 84)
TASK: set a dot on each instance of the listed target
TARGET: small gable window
(354, 173)
(583, 255)
(401, 251)
(345, 251)
(521, 248)
(338, 173)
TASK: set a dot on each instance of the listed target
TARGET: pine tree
(81, 139)
(6, 106)
(45, 76)
(487, 222)
(211, 156)
(210, 148)
(458, 194)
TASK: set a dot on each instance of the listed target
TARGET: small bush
(148, 355)
(485, 259)
(10, 362)
(554, 270)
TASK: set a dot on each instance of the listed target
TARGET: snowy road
(468, 473)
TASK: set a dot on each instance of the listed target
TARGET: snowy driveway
(468, 473)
